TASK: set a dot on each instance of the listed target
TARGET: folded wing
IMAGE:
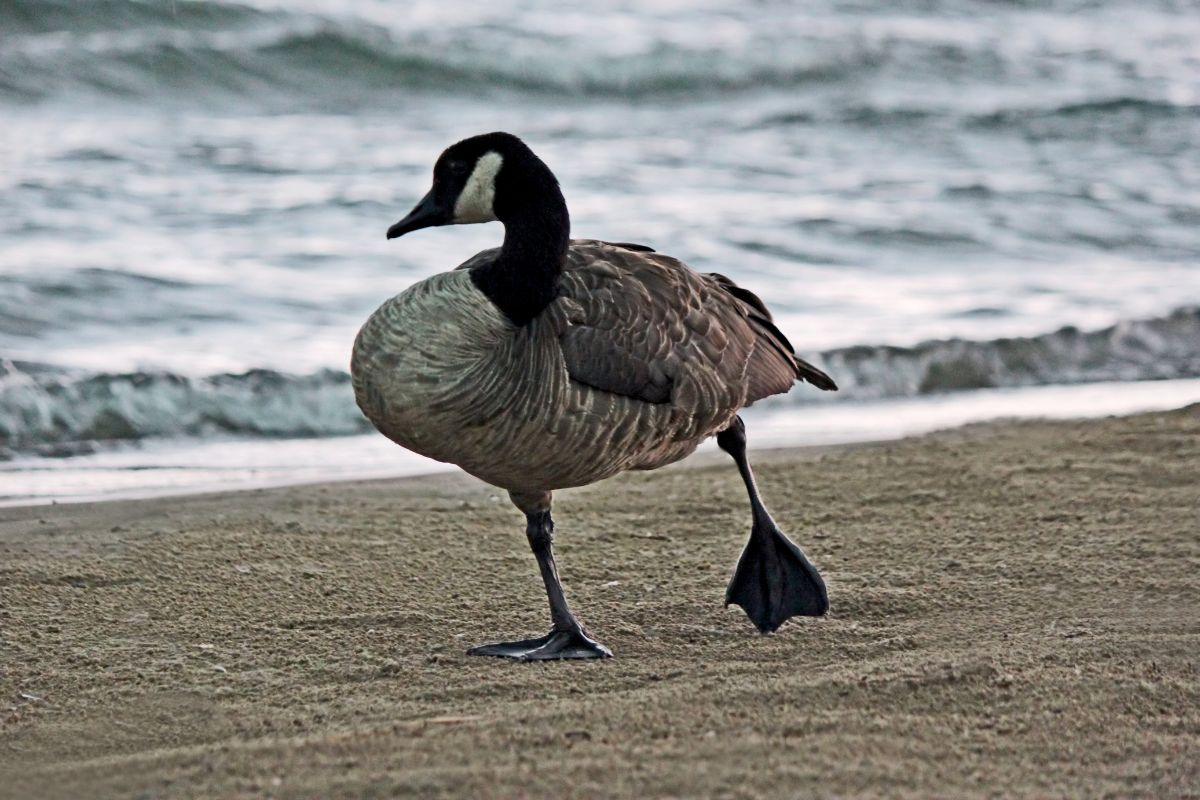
(645, 326)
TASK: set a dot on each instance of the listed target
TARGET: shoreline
(453, 478)
(174, 468)
(1014, 611)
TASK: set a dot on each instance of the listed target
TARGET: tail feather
(775, 366)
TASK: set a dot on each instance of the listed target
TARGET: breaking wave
(52, 412)
(193, 49)
(49, 411)
(1135, 350)
(187, 50)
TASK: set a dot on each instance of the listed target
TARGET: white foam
(183, 467)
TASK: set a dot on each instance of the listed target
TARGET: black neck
(523, 279)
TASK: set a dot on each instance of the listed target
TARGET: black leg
(773, 580)
(567, 638)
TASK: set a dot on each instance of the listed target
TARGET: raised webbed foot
(775, 581)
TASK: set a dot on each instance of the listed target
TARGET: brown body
(637, 361)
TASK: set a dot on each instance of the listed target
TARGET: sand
(1015, 612)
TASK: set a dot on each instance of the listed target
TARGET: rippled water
(193, 190)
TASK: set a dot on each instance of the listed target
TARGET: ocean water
(938, 199)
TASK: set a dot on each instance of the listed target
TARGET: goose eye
(457, 167)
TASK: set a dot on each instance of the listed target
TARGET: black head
(490, 177)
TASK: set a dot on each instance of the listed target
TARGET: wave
(220, 49)
(1102, 107)
(1135, 350)
(50, 16)
(189, 50)
(49, 411)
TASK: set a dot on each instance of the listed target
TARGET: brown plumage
(637, 361)
(551, 363)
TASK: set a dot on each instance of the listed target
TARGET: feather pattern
(636, 362)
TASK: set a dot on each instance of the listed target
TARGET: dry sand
(1016, 612)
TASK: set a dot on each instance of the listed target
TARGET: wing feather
(760, 316)
(645, 326)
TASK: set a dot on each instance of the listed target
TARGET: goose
(552, 362)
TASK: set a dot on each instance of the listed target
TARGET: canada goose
(551, 362)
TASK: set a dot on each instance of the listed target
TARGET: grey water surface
(934, 196)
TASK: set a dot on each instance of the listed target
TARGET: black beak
(427, 214)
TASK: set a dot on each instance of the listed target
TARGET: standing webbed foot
(571, 643)
(567, 638)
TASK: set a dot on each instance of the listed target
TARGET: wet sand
(1015, 612)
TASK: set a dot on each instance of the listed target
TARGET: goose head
(494, 176)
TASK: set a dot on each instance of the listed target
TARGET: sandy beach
(1015, 612)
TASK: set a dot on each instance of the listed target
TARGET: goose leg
(567, 638)
(773, 580)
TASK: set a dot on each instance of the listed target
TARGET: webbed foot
(775, 581)
(573, 643)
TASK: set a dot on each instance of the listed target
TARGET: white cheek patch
(475, 202)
